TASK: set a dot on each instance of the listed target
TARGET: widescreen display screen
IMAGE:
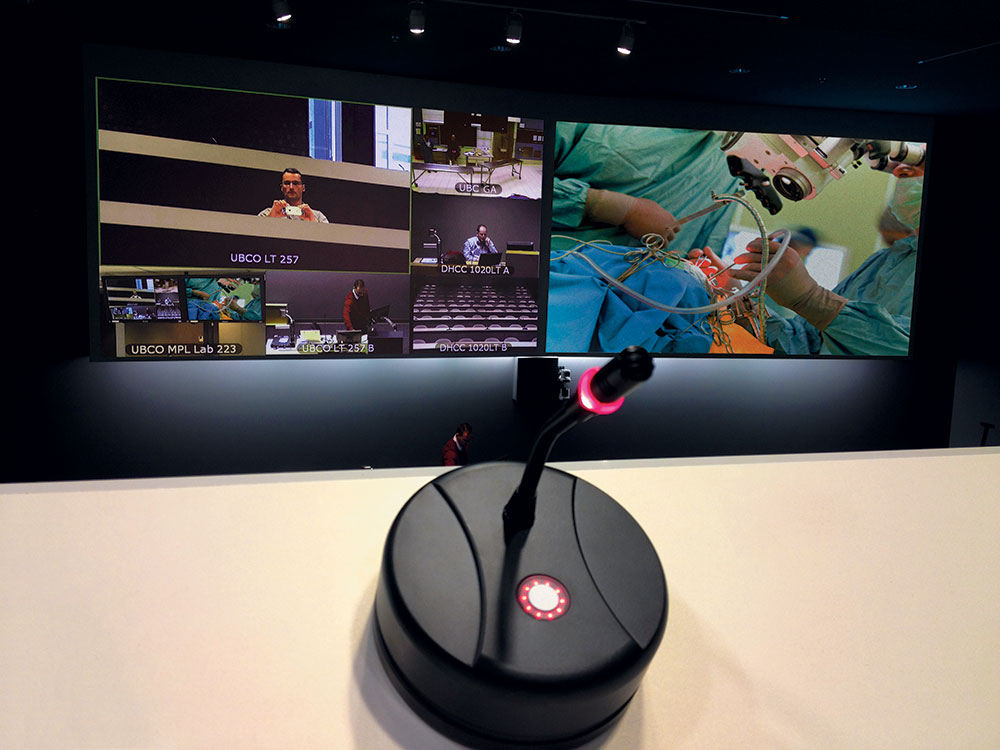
(237, 223)
(651, 228)
(243, 224)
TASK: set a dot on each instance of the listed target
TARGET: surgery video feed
(733, 243)
(378, 230)
(233, 299)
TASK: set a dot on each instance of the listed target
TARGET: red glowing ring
(542, 598)
(589, 401)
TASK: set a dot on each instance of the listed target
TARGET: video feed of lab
(730, 242)
(476, 232)
(290, 226)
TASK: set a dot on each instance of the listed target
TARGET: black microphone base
(539, 642)
(461, 733)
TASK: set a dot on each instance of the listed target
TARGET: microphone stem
(599, 391)
(519, 513)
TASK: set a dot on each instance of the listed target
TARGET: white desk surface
(819, 601)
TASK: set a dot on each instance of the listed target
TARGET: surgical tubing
(749, 287)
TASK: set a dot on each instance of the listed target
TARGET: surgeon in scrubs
(252, 311)
(868, 313)
(201, 294)
(616, 183)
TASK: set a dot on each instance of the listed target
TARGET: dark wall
(975, 418)
(125, 419)
(358, 134)
(207, 115)
(70, 418)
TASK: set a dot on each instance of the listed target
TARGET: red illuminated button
(542, 597)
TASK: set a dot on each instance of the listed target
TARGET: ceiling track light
(418, 21)
(515, 27)
(627, 40)
(282, 11)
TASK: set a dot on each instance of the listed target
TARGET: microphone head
(623, 374)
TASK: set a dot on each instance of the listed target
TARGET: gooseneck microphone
(600, 391)
(518, 606)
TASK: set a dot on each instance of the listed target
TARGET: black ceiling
(821, 55)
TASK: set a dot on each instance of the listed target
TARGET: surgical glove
(714, 268)
(790, 285)
(637, 216)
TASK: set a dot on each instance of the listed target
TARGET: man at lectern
(357, 309)
(478, 244)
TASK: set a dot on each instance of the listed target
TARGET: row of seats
(491, 314)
